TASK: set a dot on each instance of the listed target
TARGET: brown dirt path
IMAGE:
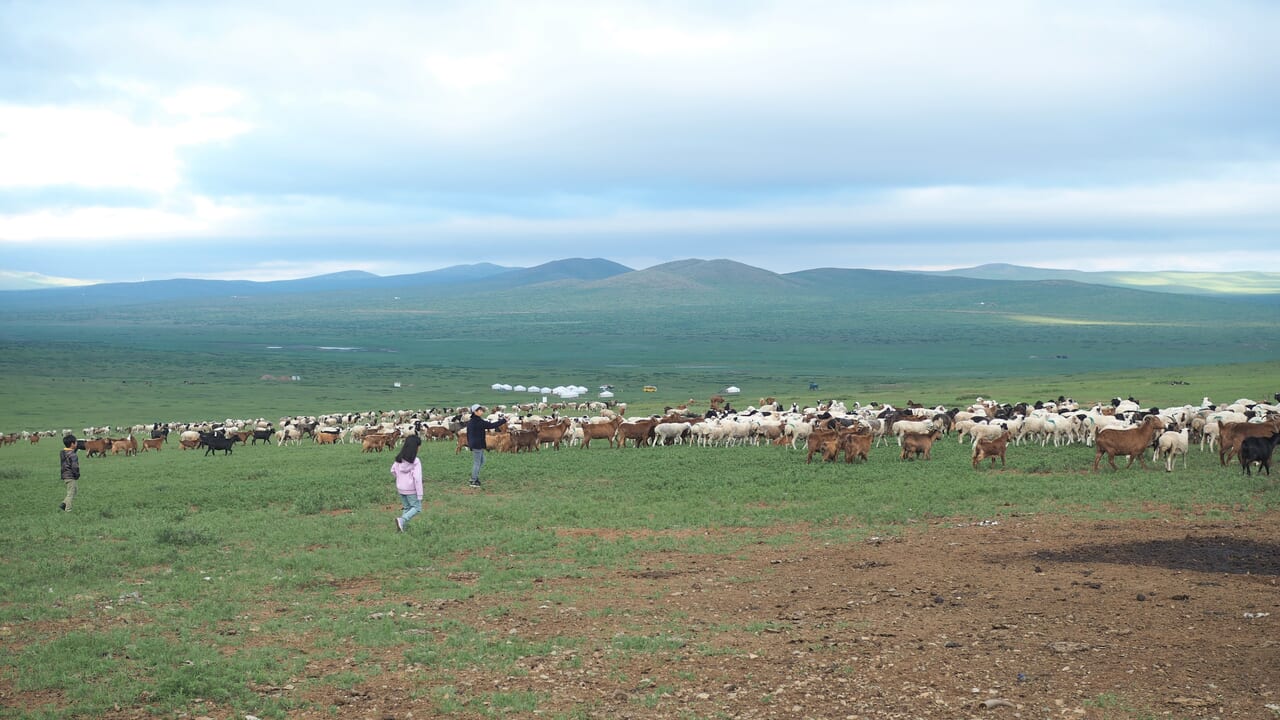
(1024, 617)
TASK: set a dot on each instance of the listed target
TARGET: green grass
(201, 553)
(181, 580)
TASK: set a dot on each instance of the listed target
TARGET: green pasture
(184, 583)
(181, 582)
(892, 340)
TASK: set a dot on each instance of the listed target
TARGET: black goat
(1258, 450)
(216, 441)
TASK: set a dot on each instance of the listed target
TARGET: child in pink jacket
(407, 470)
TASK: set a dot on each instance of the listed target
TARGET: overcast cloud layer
(273, 140)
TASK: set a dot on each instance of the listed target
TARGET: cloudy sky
(265, 140)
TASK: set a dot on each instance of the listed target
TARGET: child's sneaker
(400, 524)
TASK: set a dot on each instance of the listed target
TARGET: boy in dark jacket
(476, 428)
(70, 470)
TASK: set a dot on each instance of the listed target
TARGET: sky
(271, 140)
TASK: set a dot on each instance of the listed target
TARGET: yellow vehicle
(650, 388)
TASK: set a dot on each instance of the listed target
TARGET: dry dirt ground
(1020, 617)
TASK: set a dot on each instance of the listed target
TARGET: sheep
(988, 431)
(671, 433)
(1033, 426)
(799, 431)
(916, 427)
(289, 434)
(189, 439)
(1170, 445)
(1131, 441)
(1258, 450)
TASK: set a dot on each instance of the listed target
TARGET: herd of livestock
(1246, 430)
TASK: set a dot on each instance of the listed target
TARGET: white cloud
(102, 147)
(202, 100)
(458, 72)
(201, 217)
(89, 147)
(829, 125)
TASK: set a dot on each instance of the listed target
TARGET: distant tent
(606, 394)
(733, 390)
(519, 388)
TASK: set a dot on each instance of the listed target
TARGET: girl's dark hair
(409, 451)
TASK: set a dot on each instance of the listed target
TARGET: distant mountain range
(1173, 281)
(597, 274)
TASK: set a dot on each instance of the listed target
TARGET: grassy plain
(183, 582)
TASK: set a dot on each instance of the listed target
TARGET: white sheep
(988, 431)
(919, 427)
(1033, 427)
(799, 432)
(671, 432)
(1170, 445)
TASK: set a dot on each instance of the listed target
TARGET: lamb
(1131, 441)
(1170, 445)
(1258, 450)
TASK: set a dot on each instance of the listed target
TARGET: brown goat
(599, 431)
(990, 449)
(552, 433)
(915, 445)
(1232, 434)
(374, 442)
(816, 440)
(1129, 441)
(855, 445)
(525, 439)
(852, 444)
(640, 431)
